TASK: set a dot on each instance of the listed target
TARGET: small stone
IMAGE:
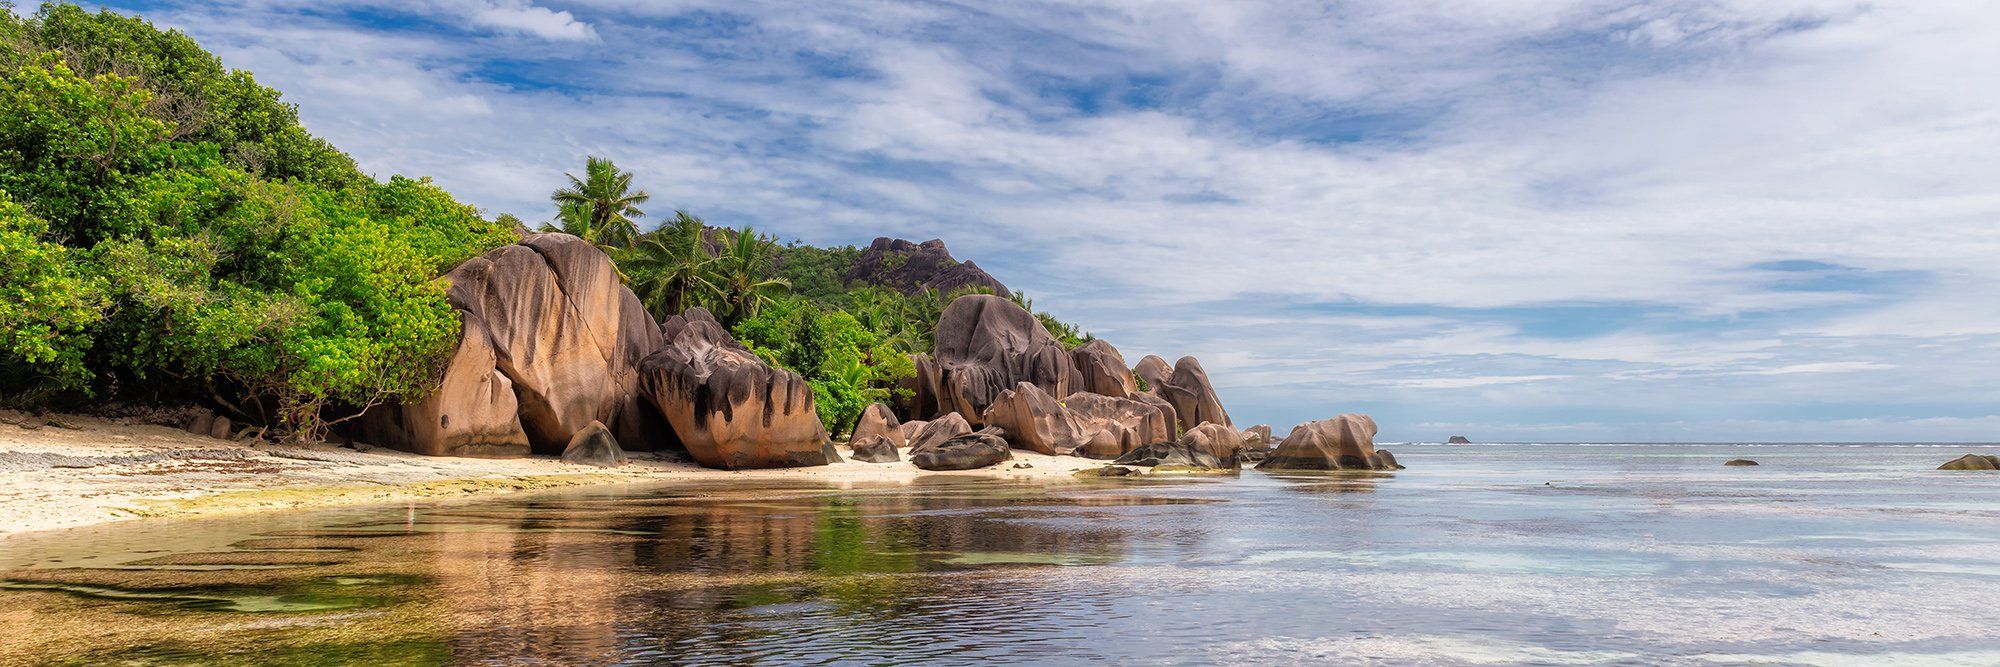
(1023, 464)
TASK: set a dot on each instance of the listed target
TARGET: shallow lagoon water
(1478, 554)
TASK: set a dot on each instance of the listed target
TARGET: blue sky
(1554, 220)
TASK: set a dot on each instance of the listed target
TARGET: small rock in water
(1973, 462)
(1107, 471)
(1740, 462)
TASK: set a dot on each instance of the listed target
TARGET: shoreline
(70, 471)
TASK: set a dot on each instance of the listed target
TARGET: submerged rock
(874, 449)
(1739, 462)
(985, 346)
(1973, 462)
(1172, 454)
(1346, 442)
(963, 452)
(729, 409)
(594, 446)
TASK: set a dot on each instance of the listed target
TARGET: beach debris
(874, 449)
(963, 452)
(1346, 442)
(594, 446)
(1973, 462)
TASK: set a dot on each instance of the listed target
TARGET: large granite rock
(984, 346)
(1972, 462)
(1219, 441)
(913, 267)
(1173, 421)
(1193, 397)
(874, 449)
(923, 402)
(1154, 371)
(729, 409)
(594, 446)
(936, 431)
(1257, 438)
(964, 452)
(1114, 426)
(1173, 454)
(1102, 370)
(1031, 419)
(549, 341)
(1346, 442)
(877, 420)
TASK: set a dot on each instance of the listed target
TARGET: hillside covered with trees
(170, 233)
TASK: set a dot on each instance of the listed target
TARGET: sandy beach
(63, 471)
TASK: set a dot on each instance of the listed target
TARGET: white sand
(88, 470)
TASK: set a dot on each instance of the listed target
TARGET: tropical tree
(742, 277)
(669, 267)
(602, 204)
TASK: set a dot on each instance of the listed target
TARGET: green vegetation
(169, 231)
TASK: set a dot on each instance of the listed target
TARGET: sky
(1516, 220)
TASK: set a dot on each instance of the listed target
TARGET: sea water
(1477, 554)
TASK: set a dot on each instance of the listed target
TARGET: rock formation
(913, 267)
(1172, 454)
(1739, 462)
(1031, 419)
(1346, 442)
(1458, 440)
(594, 446)
(1384, 460)
(1973, 462)
(1102, 370)
(1193, 397)
(729, 409)
(936, 431)
(1219, 441)
(874, 449)
(963, 452)
(1257, 438)
(549, 342)
(1154, 371)
(1114, 426)
(984, 346)
(877, 420)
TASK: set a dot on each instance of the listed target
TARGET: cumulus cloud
(1580, 212)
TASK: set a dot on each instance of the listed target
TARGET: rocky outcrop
(1384, 460)
(1193, 397)
(874, 449)
(877, 420)
(964, 452)
(1973, 462)
(1102, 370)
(1739, 462)
(1114, 426)
(549, 341)
(729, 409)
(594, 446)
(985, 345)
(923, 401)
(1346, 442)
(1031, 419)
(1257, 438)
(1154, 371)
(936, 431)
(1172, 454)
(1458, 440)
(1219, 441)
(913, 267)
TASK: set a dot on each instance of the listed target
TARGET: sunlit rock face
(1219, 441)
(964, 452)
(1031, 419)
(1193, 397)
(912, 267)
(1115, 426)
(934, 432)
(1972, 462)
(1257, 438)
(1346, 442)
(728, 408)
(549, 342)
(879, 421)
(1101, 370)
(984, 346)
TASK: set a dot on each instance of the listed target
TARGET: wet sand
(63, 471)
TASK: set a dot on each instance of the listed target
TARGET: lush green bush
(848, 365)
(169, 231)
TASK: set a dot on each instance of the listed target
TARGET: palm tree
(669, 266)
(740, 276)
(572, 219)
(605, 198)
